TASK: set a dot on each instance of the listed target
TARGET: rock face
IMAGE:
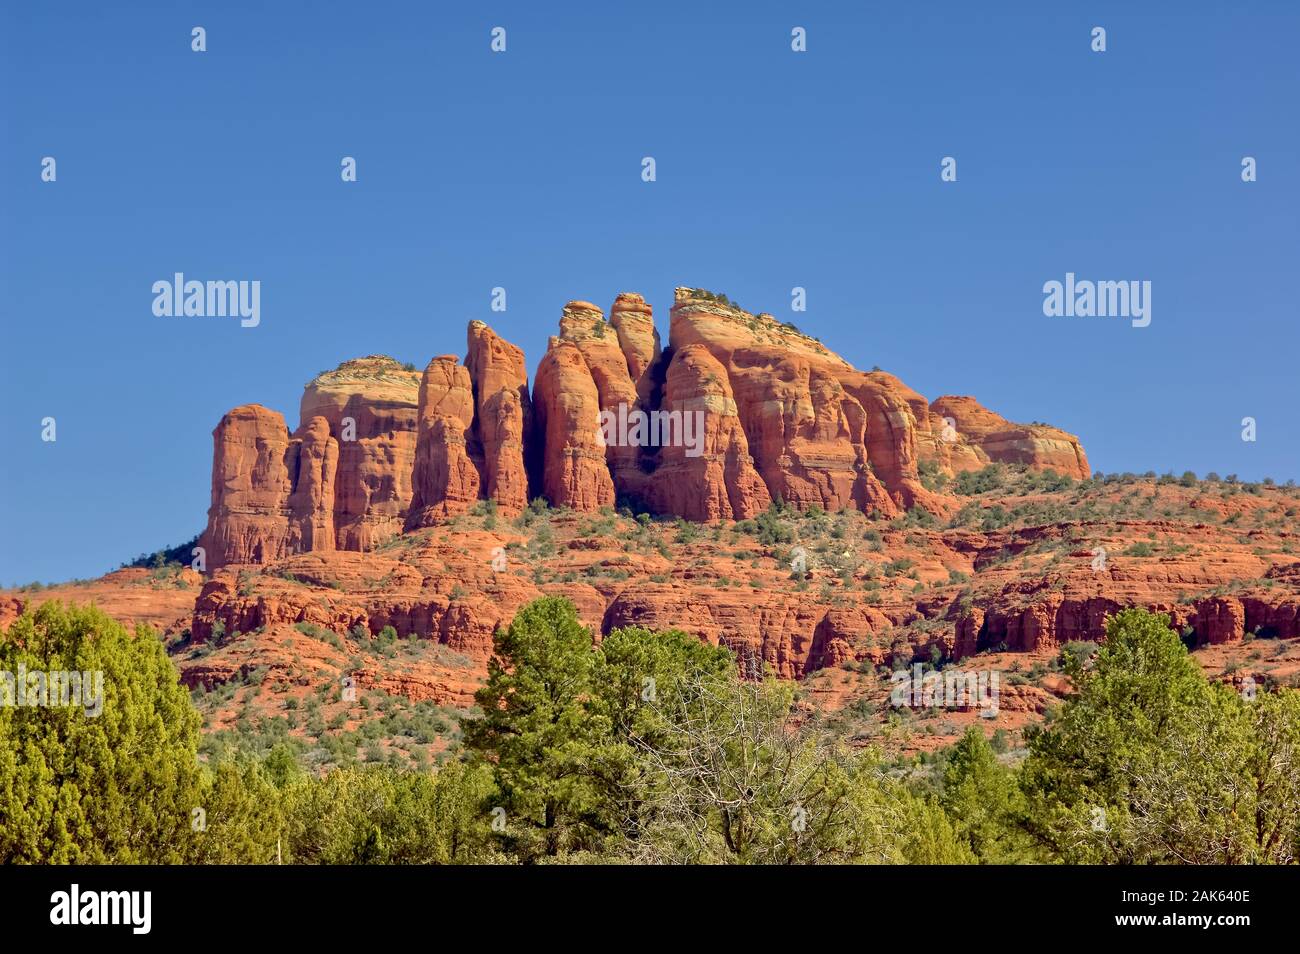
(713, 478)
(633, 322)
(370, 405)
(739, 411)
(567, 404)
(973, 436)
(583, 324)
(343, 481)
(734, 591)
(447, 458)
(311, 505)
(819, 431)
(251, 486)
(503, 414)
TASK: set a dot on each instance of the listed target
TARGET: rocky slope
(829, 525)
(835, 600)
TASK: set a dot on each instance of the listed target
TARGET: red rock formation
(714, 477)
(446, 479)
(371, 406)
(633, 322)
(1219, 619)
(845, 635)
(771, 633)
(583, 324)
(248, 521)
(567, 406)
(974, 436)
(1274, 613)
(891, 438)
(819, 431)
(311, 505)
(784, 418)
(503, 415)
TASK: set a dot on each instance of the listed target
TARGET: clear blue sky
(522, 170)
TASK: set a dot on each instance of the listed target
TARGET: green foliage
(986, 480)
(1149, 763)
(542, 731)
(645, 747)
(365, 815)
(117, 787)
(732, 781)
(771, 528)
(168, 556)
(720, 298)
(1077, 653)
(982, 798)
(928, 836)
(242, 814)
(932, 478)
(649, 748)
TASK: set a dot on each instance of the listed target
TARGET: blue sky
(522, 170)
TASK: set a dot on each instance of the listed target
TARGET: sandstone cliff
(249, 521)
(370, 406)
(739, 411)
(342, 481)
(972, 436)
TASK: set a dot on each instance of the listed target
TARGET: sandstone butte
(372, 515)
(380, 450)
